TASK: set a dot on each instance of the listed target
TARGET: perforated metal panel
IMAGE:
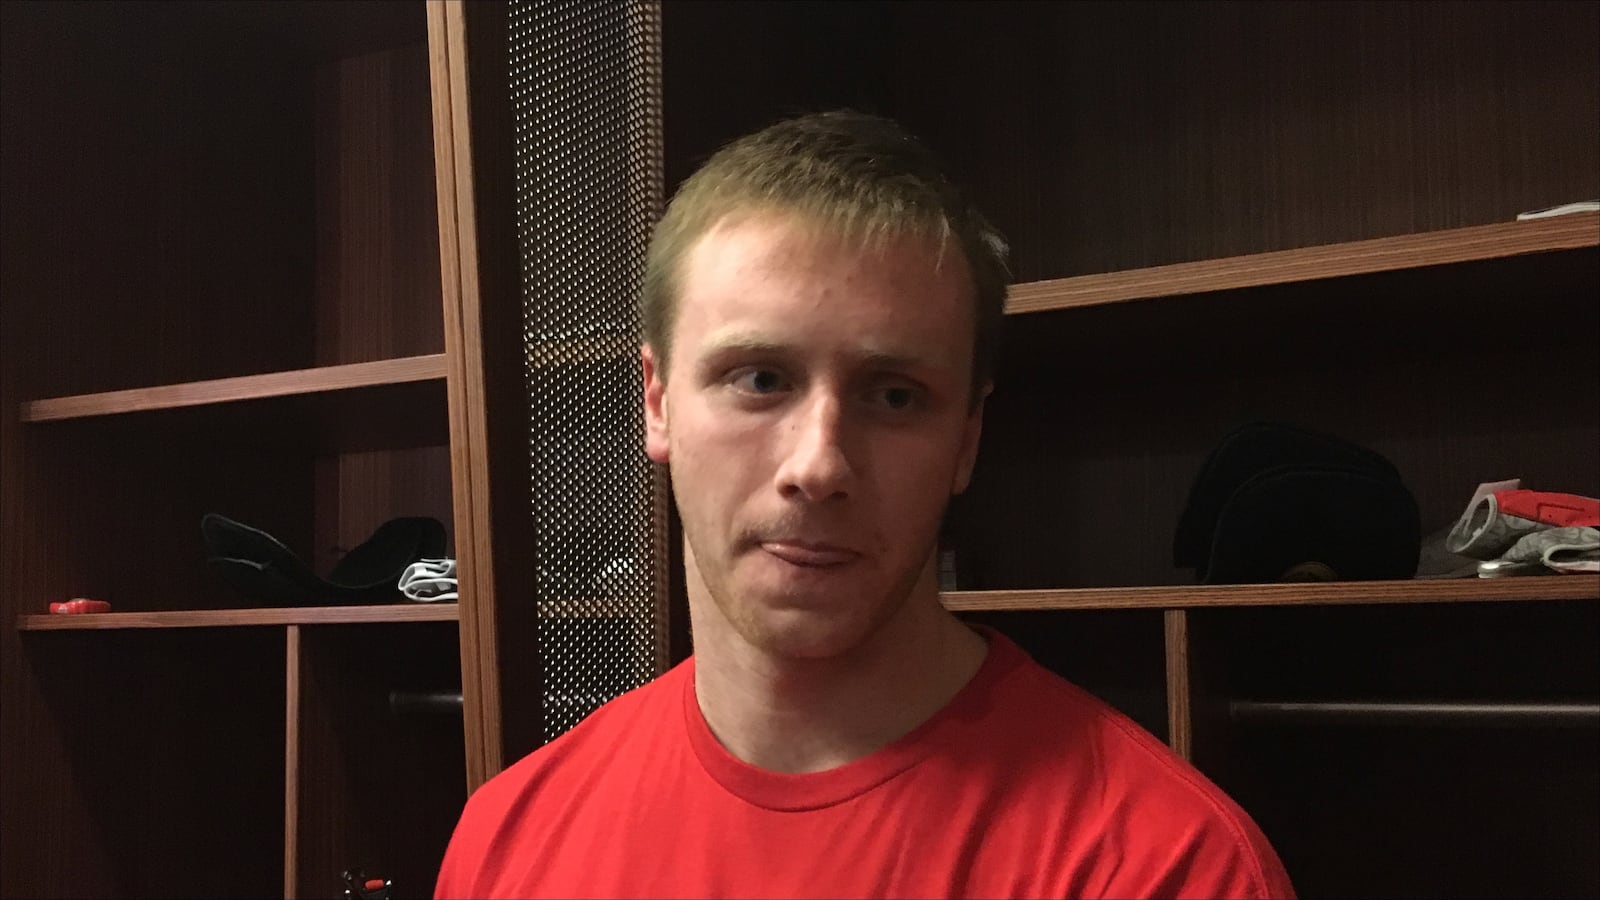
(585, 83)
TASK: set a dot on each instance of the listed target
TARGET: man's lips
(801, 553)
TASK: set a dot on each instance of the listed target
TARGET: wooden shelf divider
(228, 618)
(1408, 251)
(291, 762)
(1180, 709)
(1461, 590)
(247, 387)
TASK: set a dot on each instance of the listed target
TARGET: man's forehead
(761, 236)
(777, 285)
(743, 340)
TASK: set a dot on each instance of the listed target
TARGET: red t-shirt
(1022, 786)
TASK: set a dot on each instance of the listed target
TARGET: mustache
(811, 529)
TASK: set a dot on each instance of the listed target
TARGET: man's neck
(809, 715)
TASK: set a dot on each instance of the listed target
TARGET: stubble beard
(797, 634)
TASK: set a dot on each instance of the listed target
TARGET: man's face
(816, 416)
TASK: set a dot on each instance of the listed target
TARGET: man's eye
(759, 381)
(898, 398)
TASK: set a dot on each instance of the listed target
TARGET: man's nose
(817, 464)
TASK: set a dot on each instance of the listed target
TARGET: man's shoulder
(1146, 799)
(594, 742)
(1070, 724)
(510, 816)
(1060, 719)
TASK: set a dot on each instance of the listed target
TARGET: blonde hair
(859, 176)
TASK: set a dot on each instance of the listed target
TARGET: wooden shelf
(1481, 590)
(230, 390)
(385, 405)
(228, 618)
(1410, 251)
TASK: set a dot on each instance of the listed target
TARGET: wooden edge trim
(1364, 257)
(291, 763)
(240, 618)
(447, 46)
(1180, 723)
(298, 382)
(1335, 593)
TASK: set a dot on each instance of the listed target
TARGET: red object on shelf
(79, 605)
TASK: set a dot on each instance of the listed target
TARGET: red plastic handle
(79, 605)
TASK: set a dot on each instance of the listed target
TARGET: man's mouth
(812, 555)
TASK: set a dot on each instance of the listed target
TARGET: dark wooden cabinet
(234, 281)
(282, 261)
(1225, 212)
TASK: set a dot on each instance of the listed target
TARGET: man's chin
(806, 634)
(829, 616)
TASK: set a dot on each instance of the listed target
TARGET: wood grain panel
(518, 699)
(160, 209)
(232, 618)
(377, 280)
(792, 57)
(1405, 316)
(1467, 652)
(303, 31)
(361, 491)
(1084, 487)
(159, 197)
(122, 222)
(1468, 590)
(229, 390)
(1485, 788)
(469, 457)
(1105, 137)
(167, 740)
(1103, 416)
(1417, 811)
(377, 296)
(407, 415)
(1410, 251)
(294, 664)
(380, 790)
(489, 400)
(377, 268)
(120, 521)
(1207, 653)
(1180, 732)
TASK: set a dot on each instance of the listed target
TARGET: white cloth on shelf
(429, 580)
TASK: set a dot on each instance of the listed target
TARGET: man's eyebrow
(751, 345)
(884, 359)
(719, 345)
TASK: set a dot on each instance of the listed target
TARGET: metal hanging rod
(1396, 712)
(410, 703)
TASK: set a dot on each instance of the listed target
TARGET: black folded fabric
(259, 566)
(1275, 502)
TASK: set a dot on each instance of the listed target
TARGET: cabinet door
(592, 617)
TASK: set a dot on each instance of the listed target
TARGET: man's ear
(655, 406)
(970, 434)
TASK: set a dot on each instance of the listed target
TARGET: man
(821, 309)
